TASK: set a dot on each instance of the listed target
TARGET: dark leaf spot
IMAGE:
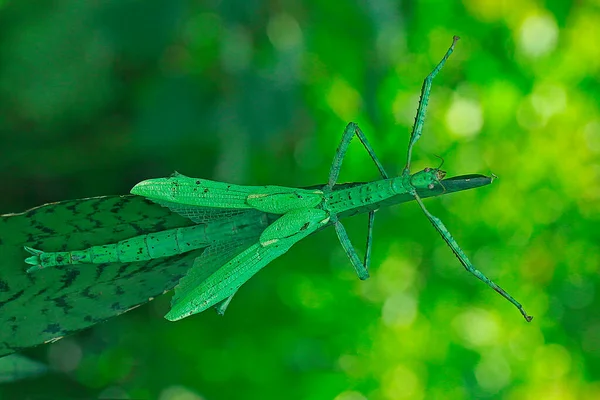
(52, 329)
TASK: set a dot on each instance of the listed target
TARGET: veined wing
(213, 258)
(202, 214)
(217, 288)
(178, 190)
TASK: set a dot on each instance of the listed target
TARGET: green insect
(42, 307)
(284, 217)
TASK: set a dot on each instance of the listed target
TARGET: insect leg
(222, 306)
(369, 239)
(362, 269)
(351, 130)
(421, 110)
(441, 228)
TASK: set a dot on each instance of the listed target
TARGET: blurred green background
(97, 96)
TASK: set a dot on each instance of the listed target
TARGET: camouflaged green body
(275, 241)
(183, 190)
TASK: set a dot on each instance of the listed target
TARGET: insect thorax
(358, 196)
(427, 178)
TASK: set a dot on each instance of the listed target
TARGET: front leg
(351, 130)
(422, 109)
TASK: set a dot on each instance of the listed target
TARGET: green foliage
(99, 96)
(46, 305)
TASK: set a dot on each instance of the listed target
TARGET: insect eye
(430, 186)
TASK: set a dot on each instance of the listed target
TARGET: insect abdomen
(359, 196)
(139, 248)
(161, 244)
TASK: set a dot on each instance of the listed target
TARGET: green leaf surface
(51, 303)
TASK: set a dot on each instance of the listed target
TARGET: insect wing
(201, 214)
(224, 282)
(207, 264)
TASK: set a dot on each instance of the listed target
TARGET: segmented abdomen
(139, 248)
